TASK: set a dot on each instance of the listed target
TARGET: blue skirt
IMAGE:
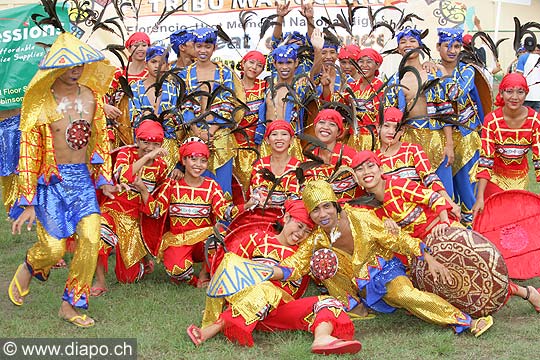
(62, 204)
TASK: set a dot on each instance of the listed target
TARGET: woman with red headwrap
(407, 160)
(192, 205)
(279, 135)
(116, 104)
(275, 305)
(140, 165)
(508, 134)
(329, 129)
(363, 136)
(253, 64)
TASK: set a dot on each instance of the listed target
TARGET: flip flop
(488, 321)
(338, 346)
(97, 291)
(356, 317)
(15, 282)
(191, 329)
(78, 320)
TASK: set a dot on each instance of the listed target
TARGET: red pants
(178, 261)
(123, 274)
(294, 315)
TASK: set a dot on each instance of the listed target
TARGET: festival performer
(346, 55)
(415, 209)
(253, 64)
(279, 103)
(116, 103)
(326, 77)
(149, 103)
(182, 45)
(64, 157)
(279, 136)
(363, 136)
(192, 206)
(328, 129)
(434, 137)
(294, 38)
(406, 160)
(508, 134)
(376, 272)
(206, 75)
(459, 89)
(120, 226)
(275, 305)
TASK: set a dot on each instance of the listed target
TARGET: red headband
(393, 114)
(255, 55)
(150, 130)
(372, 54)
(194, 148)
(510, 81)
(297, 210)
(362, 156)
(136, 37)
(279, 125)
(349, 52)
(330, 115)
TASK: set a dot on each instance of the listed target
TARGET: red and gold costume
(41, 177)
(345, 187)
(412, 206)
(503, 158)
(274, 305)
(192, 213)
(288, 187)
(366, 111)
(120, 227)
(410, 162)
(244, 162)
(122, 133)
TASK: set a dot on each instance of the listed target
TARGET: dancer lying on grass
(270, 305)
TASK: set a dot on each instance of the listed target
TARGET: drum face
(479, 273)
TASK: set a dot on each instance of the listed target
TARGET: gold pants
(341, 285)
(427, 306)
(48, 250)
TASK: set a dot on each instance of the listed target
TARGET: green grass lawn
(157, 314)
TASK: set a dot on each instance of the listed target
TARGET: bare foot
(198, 335)
(323, 340)
(534, 298)
(69, 314)
(203, 279)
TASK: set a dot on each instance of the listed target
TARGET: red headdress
(297, 210)
(362, 156)
(150, 130)
(511, 81)
(330, 115)
(278, 125)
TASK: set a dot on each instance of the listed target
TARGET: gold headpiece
(317, 192)
(66, 52)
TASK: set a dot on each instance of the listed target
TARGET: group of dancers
(342, 175)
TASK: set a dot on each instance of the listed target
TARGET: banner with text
(19, 54)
